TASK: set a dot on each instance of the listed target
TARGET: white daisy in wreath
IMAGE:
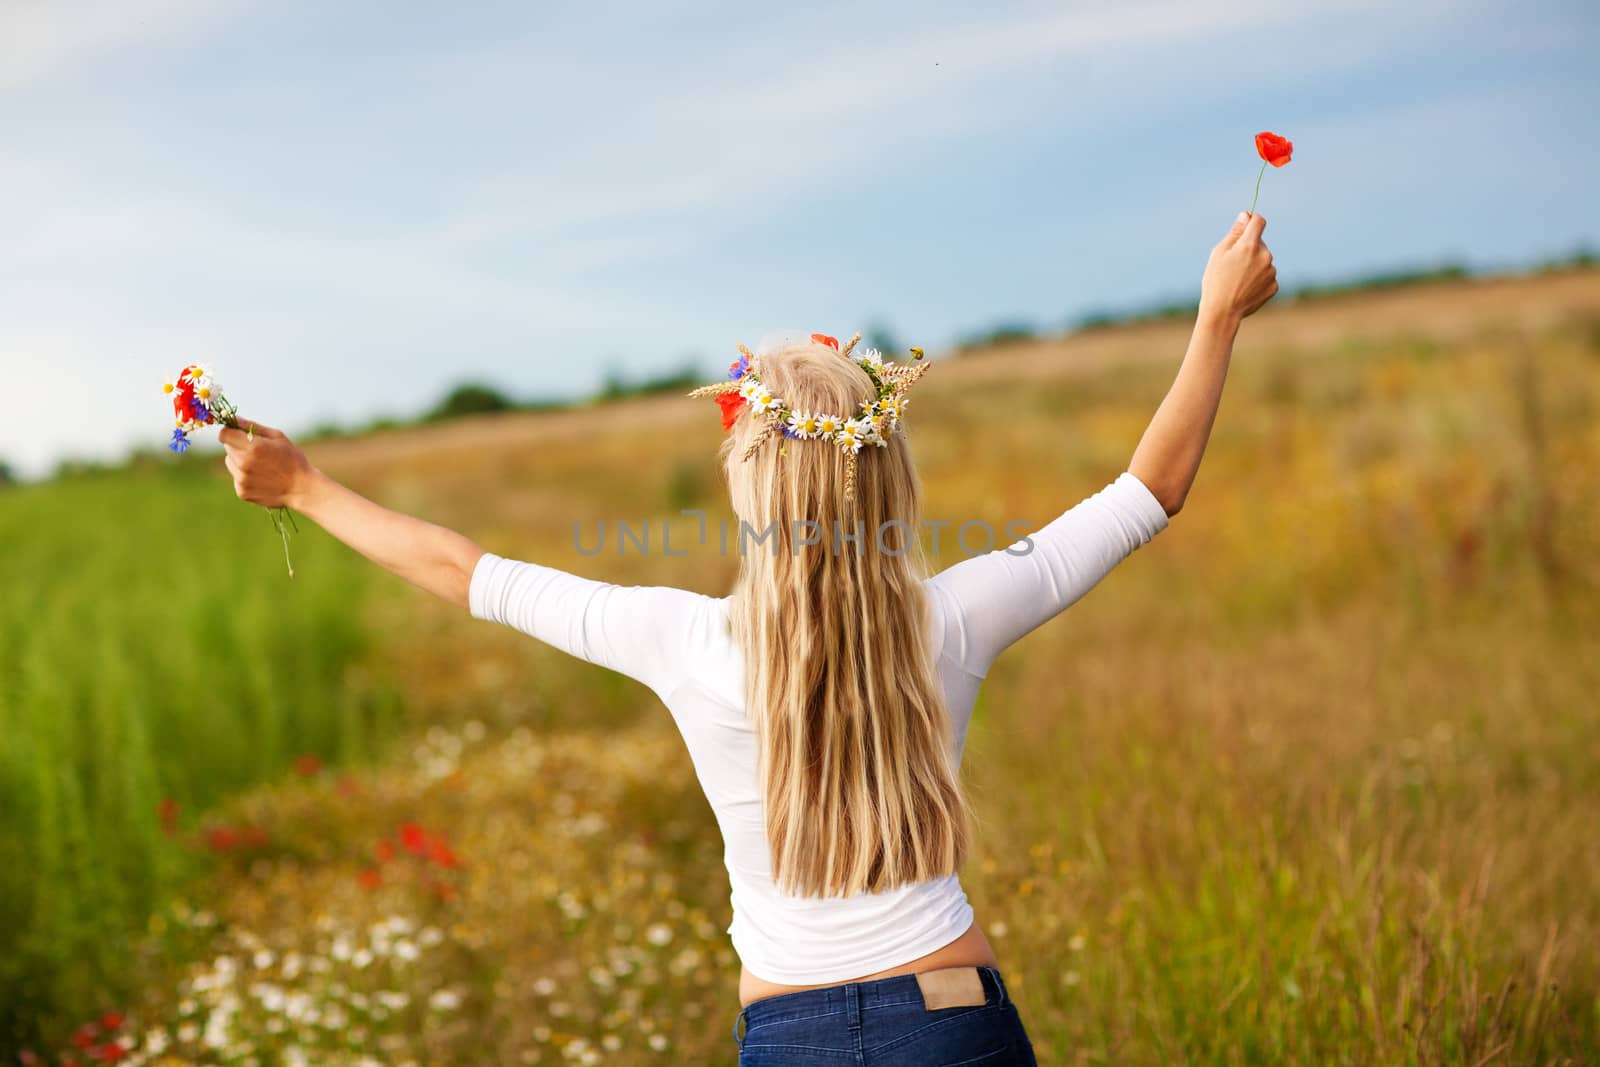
(805, 424)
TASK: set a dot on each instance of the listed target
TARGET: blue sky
(347, 207)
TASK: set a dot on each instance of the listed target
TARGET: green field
(1312, 778)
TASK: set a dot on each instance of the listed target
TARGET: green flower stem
(282, 518)
(1253, 199)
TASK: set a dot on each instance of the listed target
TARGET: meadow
(1312, 778)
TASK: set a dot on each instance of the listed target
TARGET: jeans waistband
(853, 997)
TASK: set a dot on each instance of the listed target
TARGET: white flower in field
(263, 959)
(394, 1001)
(541, 1033)
(658, 934)
(544, 986)
(341, 949)
(291, 964)
(186, 1006)
(361, 958)
(611, 1042)
(430, 936)
(155, 1042)
(1076, 943)
(560, 1008)
(188, 1033)
(216, 1035)
(659, 1042)
(405, 951)
(294, 1056)
(1071, 978)
(445, 1000)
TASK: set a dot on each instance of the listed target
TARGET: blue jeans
(883, 1023)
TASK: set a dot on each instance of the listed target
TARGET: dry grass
(1312, 779)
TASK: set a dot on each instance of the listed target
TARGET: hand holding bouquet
(197, 402)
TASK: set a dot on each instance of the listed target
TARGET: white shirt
(679, 643)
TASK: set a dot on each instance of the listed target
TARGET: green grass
(151, 646)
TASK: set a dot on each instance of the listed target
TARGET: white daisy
(828, 425)
(869, 355)
(749, 385)
(804, 424)
(762, 401)
(853, 435)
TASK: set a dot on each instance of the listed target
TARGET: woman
(825, 702)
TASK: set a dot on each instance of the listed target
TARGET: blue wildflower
(179, 442)
(736, 370)
(199, 409)
(788, 431)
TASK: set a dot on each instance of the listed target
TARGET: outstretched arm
(270, 470)
(1239, 278)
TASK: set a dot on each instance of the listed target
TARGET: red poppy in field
(110, 1052)
(439, 852)
(824, 339)
(1274, 149)
(222, 838)
(348, 786)
(85, 1036)
(306, 765)
(732, 404)
(112, 1020)
(167, 812)
(384, 850)
(414, 838)
(371, 878)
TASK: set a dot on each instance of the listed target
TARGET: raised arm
(992, 600)
(1239, 278)
(270, 470)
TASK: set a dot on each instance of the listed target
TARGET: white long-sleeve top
(680, 644)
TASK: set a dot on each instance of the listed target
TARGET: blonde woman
(825, 702)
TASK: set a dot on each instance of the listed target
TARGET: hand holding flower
(1240, 275)
(267, 467)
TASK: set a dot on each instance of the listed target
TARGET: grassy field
(1312, 778)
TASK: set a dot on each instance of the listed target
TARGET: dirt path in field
(1438, 312)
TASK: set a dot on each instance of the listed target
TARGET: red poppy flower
(222, 838)
(1274, 149)
(384, 851)
(112, 1020)
(306, 765)
(824, 339)
(110, 1052)
(371, 878)
(85, 1036)
(439, 852)
(731, 404)
(414, 838)
(167, 812)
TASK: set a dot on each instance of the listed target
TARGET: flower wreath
(877, 420)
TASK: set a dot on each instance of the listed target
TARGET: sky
(347, 208)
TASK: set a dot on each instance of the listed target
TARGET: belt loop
(738, 1038)
(999, 984)
(852, 1005)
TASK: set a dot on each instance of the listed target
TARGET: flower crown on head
(877, 419)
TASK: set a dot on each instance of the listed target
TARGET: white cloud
(39, 36)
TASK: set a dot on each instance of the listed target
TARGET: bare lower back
(970, 949)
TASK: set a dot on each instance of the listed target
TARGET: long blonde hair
(857, 760)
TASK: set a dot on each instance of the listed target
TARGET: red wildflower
(85, 1036)
(306, 765)
(1274, 149)
(732, 404)
(167, 812)
(110, 1052)
(439, 852)
(29, 1058)
(348, 786)
(444, 890)
(384, 850)
(112, 1020)
(371, 878)
(222, 838)
(414, 838)
(824, 339)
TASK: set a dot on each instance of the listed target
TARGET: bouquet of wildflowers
(197, 402)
